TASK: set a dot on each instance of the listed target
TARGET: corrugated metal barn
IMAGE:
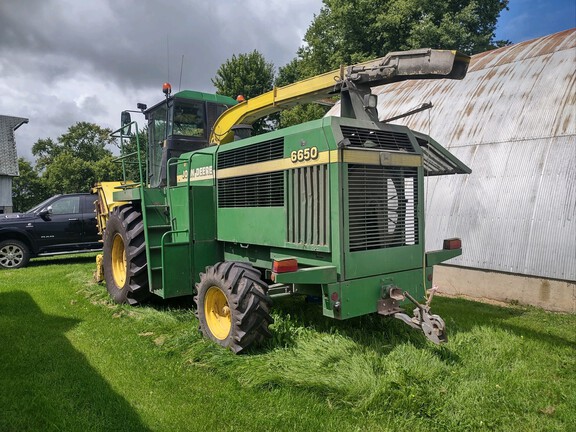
(513, 121)
(8, 159)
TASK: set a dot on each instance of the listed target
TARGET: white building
(8, 159)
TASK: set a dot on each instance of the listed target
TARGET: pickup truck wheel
(13, 254)
(233, 306)
(124, 256)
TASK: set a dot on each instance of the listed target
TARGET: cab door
(90, 235)
(61, 228)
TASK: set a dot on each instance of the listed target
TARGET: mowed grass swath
(72, 360)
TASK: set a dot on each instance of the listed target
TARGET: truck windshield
(39, 206)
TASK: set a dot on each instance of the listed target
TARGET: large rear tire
(124, 256)
(233, 306)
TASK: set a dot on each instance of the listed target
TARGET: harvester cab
(332, 208)
(181, 123)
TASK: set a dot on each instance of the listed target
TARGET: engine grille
(382, 207)
(261, 152)
(259, 190)
(308, 210)
(378, 139)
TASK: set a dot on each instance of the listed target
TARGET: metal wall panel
(515, 213)
(513, 121)
(5, 192)
(8, 157)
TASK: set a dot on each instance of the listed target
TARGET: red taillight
(285, 265)
(453, 243)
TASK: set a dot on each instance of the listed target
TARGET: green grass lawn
(72, 361)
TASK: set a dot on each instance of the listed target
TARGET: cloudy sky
(64, 61)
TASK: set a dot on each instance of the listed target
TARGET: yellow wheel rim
(118, 261)
(217, 313)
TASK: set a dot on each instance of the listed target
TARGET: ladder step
(158, 248)
(159, 226)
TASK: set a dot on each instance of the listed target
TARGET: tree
(77, 160)
(69, 174)
(248, 75)
(86, 141)
(288, 74)
(350, 31)
(302, 113)
(346, 32)
(28, 188)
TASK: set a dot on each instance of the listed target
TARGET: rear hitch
(431, 325)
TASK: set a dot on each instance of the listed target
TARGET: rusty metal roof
(8, 156)
(513, 121)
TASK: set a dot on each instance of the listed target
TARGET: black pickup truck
(62, 224)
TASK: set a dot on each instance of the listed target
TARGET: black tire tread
(248, 301)
(136, 287)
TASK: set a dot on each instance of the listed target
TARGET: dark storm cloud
(54, 38)
(129, 41)
(63, 61)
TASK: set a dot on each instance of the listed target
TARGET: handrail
(119, 133)
(175, 162)
(162, 244)
(189, 161)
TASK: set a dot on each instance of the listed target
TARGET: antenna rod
(168, 57)
(181, 67)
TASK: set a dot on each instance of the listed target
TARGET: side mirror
(125, 121)
(45, 212)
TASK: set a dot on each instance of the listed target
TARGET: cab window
(66, 205)
(189, 120)
(157, 125)
(87, 204)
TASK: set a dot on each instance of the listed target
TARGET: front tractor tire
(233, 306)
(124, 256)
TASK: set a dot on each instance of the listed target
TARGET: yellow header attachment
(105, 201)
(396, 66)
(247, 112)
